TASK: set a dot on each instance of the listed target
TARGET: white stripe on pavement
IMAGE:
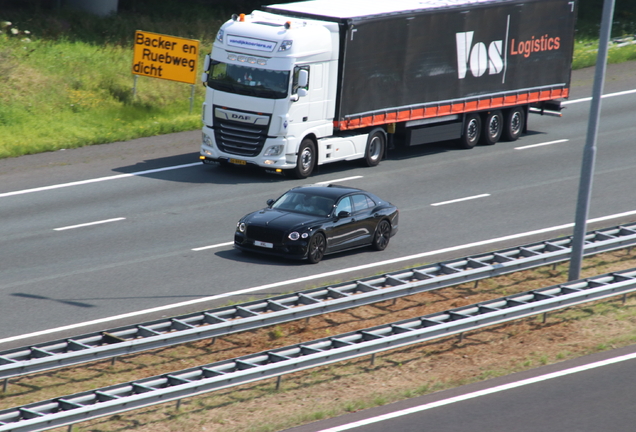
(313, 277)
(96, 180)
(460, 200)
(89, 224)
(542, 144)
(479, 393)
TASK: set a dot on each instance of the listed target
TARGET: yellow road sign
(167, 57)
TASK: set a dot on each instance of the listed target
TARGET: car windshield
(251, 81)
(306, 203)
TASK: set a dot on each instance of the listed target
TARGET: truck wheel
(306, 159)
(471, 131)
(514, 121)
(375, 147)
(493, 126)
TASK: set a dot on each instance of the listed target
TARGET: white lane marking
(460, 200)
(608, 95)
(339, 180)
(89, 224)
(313, 277)
(213, 246)
(96, 180)
(542, 144)
(483, 392)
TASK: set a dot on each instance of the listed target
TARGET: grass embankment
(357, 384)
(66, 80)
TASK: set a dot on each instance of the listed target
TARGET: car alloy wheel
(382, 235)
(317, 246)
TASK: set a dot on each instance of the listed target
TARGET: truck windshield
(251, 81)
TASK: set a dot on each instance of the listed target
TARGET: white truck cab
(270, 98)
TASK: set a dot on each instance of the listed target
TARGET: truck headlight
(274, 150)
(207, 140)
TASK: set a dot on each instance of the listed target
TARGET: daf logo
(240, 117)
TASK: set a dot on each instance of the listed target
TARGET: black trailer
(452, 68)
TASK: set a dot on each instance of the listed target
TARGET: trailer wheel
(375, 147)
(471, 131)
(306, 159)
(493, 127)
(514, 121)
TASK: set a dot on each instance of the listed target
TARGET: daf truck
(303, 84)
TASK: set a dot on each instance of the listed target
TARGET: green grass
(66, 81)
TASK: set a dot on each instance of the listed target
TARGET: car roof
(329, 191)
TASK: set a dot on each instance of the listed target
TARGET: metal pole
(191, 97)
(134, 87)
(589, 152)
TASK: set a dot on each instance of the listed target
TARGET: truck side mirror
(303, 82)
(303, 78)
(206, 69)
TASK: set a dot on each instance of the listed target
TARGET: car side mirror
(343, 214)
(270, 202)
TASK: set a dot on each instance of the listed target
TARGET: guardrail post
(373, 359)
(5, 383)
(278, 381)
(545, 317)
(70, 428)
(178, 404)
(112, 361)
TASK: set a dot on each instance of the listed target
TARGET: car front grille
(264, 234)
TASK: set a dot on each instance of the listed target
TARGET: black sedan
(308, 222)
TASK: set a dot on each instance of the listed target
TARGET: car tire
(306, 160)
(376, 143)
(492, 128)
(471, 131)
(514, 123)
(316, 248)
(382, 235)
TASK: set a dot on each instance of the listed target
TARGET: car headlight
(274, 150)
(296, 235)
(240, 226)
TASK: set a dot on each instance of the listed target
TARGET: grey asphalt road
(588, 394)
(58, 269)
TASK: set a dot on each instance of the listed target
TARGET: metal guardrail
(304, 304)
(119, 398)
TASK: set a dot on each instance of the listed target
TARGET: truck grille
(238, 138)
